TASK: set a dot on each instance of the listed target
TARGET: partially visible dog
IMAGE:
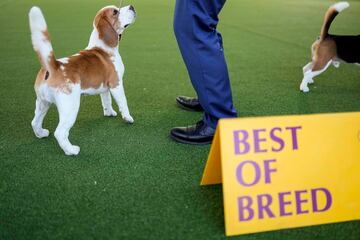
(96, 70)
(330, 49)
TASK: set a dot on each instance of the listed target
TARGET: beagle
(330, 49)
(96, 70)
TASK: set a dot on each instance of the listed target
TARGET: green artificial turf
(132, 181)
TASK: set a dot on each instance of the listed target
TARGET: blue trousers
(201, 47)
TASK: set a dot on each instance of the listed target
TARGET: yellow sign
(289, 171)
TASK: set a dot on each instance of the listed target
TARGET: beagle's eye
(115, 12)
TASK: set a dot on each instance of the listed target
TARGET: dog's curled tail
(330, 15)
(41, 39)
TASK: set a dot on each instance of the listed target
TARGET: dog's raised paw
(72, 150)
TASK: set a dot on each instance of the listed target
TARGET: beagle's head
(110, 22)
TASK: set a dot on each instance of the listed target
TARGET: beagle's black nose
(132, 8)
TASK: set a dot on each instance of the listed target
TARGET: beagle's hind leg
(310, 74)
(41, 109)
(306, 68)
(68, 107)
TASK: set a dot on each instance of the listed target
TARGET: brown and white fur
(325, 48)
(96, 70)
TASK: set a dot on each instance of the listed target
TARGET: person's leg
(201, 47)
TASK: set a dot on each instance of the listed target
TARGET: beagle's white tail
(330, 15)
(41, 39)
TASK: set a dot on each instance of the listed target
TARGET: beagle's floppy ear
(106, 32)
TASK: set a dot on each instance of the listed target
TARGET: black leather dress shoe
(189, 103)
(197, 134)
